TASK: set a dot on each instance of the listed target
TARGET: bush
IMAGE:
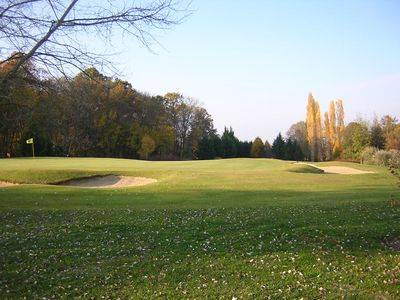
(374, 156)
(382, 157)
(388, 158)
(368, 155)
(394, 161)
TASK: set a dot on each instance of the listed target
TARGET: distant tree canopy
(95, 115)
(298, 133)
(258, 148)
(355, 138)
(288, 149)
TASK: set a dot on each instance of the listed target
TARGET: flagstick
(33, 150)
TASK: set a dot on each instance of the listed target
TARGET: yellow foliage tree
(338, 145)
(332, 123)
(327, 137)
(314, 132)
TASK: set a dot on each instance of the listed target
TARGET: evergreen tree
(268, 150)
(289, 150)
(206, 148)
(278, 147)
(244, 149)
(229, 143)
(298, 152)
(258, 148)
(217, 144)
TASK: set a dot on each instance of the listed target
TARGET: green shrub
(394, 160)
(384, 157)
(368, 155)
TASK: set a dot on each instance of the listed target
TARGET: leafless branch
(53, 33)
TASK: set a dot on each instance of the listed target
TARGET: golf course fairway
(231, 228)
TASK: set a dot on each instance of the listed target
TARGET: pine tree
(229, 143)
(298, 152)
(289, 150)
(268, 150)
(206, 149)
(278, 147)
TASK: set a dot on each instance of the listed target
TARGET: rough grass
(228, 228)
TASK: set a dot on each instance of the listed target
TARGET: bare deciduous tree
(53, 33)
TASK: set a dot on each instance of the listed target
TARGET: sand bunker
(108, 181)
(5, 184)
(344, 170)
(339, 170)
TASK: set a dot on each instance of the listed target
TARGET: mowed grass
(244, 228)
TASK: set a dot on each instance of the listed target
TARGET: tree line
(229, 146)
(332, 139)
(95, 115)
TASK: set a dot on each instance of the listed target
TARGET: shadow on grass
(45, 197)
(89, 249)
(100, 241)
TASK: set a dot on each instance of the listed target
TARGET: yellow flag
(30, 141)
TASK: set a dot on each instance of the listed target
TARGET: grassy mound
(300, 168)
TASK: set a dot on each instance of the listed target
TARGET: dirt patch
(392, 243)
(108, 181)
(5, 184)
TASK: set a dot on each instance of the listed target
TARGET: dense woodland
(95, 115)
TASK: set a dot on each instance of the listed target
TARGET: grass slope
(245, 228)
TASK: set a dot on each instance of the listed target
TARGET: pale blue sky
(253, 63)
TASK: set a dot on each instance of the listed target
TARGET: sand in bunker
(338, 169)
(5, 183)
(343, 170)
(108, 181)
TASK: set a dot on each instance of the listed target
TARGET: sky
(251, 64)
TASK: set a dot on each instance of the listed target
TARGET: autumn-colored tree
(332, 124)
(298, 132)
(389, 125)
(333, 130)
(147, 147)
(22, 98)
(314, 133)
(327, 141)
(340, 127)
(258, 148)
(393, 139)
